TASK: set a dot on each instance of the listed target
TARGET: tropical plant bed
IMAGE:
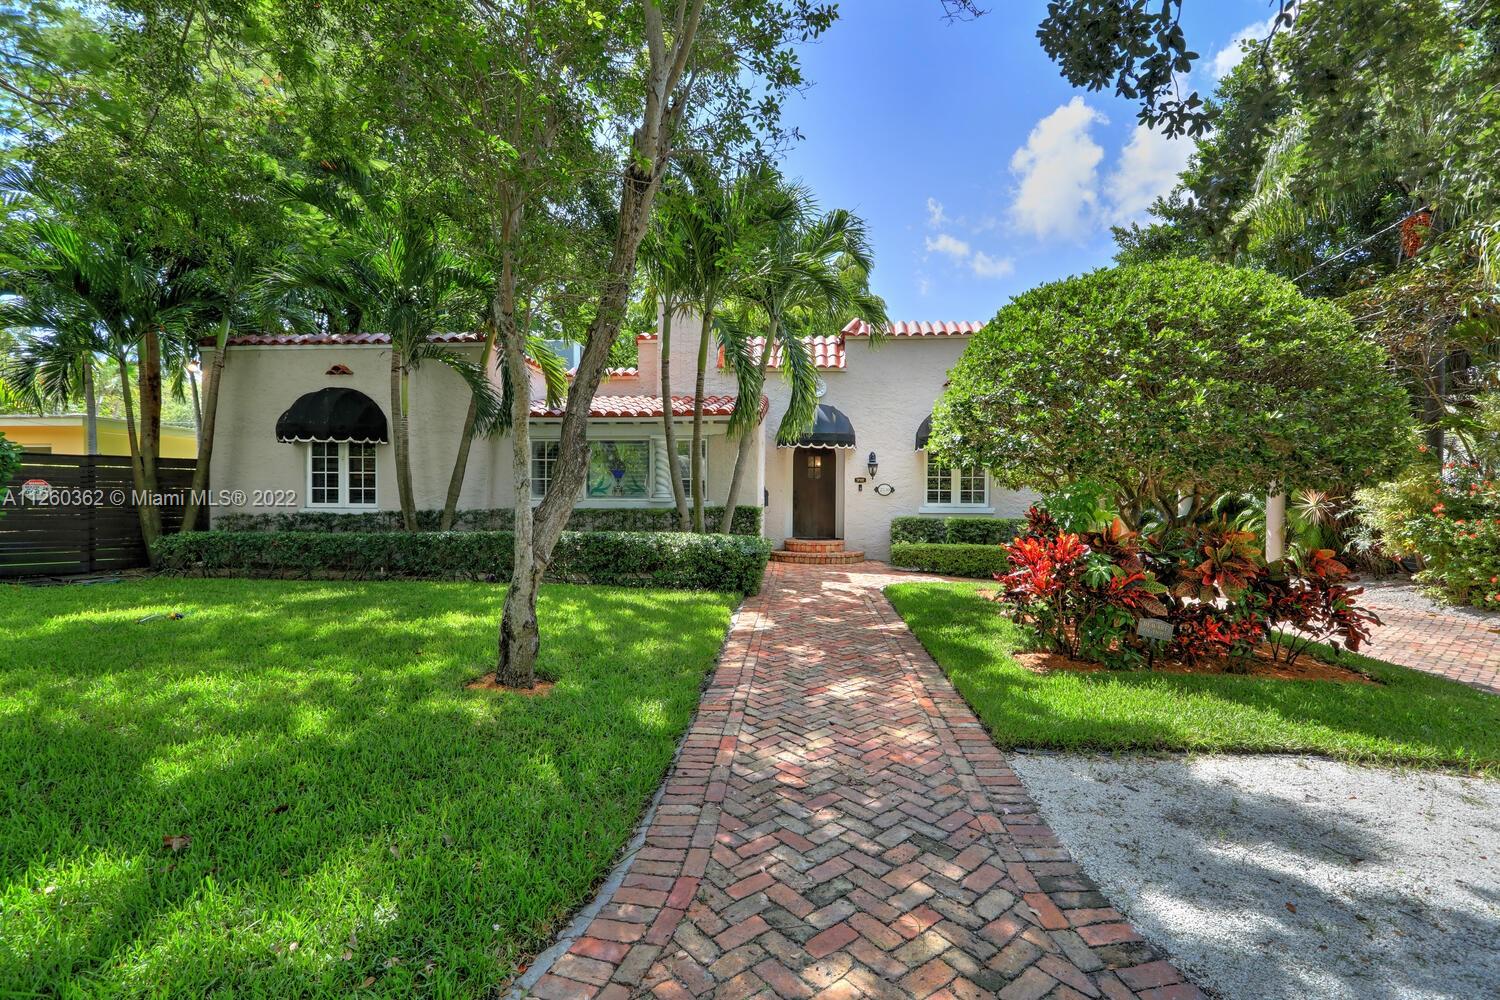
(289, 791)
(1408, 717)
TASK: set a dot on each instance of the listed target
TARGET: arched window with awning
(335, 413)
(341, 427)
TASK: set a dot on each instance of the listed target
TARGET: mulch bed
(488, 683)
(1262, 667)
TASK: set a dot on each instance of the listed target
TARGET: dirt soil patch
(1261, 666)
(489, 683)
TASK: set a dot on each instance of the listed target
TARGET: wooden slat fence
(90, 523)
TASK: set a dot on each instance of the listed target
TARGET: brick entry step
(816, 552)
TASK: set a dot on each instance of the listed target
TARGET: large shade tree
(1171, 383)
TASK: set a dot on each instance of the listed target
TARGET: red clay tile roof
(859, 328)
(608, 372)
(827, 352)
(336, 339)
(647, 406)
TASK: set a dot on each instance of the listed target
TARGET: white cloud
(923, 286)
(950, 245)
(1057, 173)
(986, 266)
(1148, 167)
(1230, 55)
(935, 216)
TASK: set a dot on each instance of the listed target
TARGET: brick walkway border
(839, 825)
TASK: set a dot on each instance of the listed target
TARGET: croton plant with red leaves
(1084, 593)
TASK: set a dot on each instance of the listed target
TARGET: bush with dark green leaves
(956, 530)
(746, 520)
(1170, 380)
(671, 560)
(981, 561)
(10, 461)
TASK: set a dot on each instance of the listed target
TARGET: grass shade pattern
(1410, 718)
(359, 820)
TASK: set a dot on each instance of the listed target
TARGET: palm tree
(811, 274)
(98, 292)
(50, 360)
(391, 264)
(719, 230)
(664, 264)
(238, 296)
(484, 419)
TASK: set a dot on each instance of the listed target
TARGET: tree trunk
(132, 439)
(650, 148)
(1275, 525)
(742, 458)
(697, 457)
(1433, 411)
(669, 426)
(197, 407)
(149, 376)
(213, 377)
(520, 638)
(466, 441)
(90, 407)
(400, 441)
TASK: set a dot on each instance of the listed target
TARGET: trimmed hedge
(672, 560)
(956, 530)
(982, 561)
(746, 520)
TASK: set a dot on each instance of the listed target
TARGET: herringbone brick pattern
(840, 826)
(1458, 643)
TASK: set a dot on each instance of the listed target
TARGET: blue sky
(980, 171)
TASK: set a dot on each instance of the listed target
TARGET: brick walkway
(840, 826)
(1462, 644)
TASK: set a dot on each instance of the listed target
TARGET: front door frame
(807, 520)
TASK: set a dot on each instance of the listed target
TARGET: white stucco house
(302, 426)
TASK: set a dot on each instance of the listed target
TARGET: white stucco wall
(262, 381)
(886, 390)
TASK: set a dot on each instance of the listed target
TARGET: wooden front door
(814, 486)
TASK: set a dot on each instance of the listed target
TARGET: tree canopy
(1171, 381)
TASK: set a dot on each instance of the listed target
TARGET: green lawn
(1413, 718)
(355, 813)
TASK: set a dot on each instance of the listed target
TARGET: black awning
(333, 414)
(924, 431)
(831, 429)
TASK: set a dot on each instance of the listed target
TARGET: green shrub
(731, 563)
(982, 561)
(982, 530)
(10, 461)
(917, 529)
(1451, 518)
(955, 530)
(746, 520)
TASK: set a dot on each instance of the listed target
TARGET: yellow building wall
(68, 439)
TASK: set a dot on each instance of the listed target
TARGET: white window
(685, 465)
(340, 474)
(939, 482)
(619, 469)
(971, 490)
(543, 464)
(949, 487)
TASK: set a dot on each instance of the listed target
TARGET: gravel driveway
(1275, 877)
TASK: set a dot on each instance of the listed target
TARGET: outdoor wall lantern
(874, 466)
